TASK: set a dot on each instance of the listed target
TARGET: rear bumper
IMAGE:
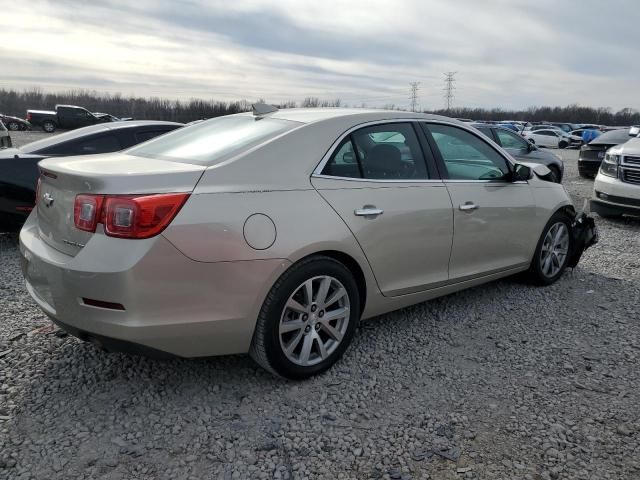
(171, 304)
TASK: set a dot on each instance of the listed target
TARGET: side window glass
(101, 144)
(466, 156)
(390, 152)
(509, 140)
(148, 135)
(343, 163)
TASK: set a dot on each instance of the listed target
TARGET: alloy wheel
(314, 320)
(555, 249)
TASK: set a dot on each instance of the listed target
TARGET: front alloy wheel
(552, 253)
(308, 318)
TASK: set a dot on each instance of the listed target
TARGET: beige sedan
(276, 232)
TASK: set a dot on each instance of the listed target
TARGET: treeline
(16, 103)
(570, 113)
(13, 102)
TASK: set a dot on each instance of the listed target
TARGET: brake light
(86, 212)
(28, 117)
(127, 216)
(37, 199)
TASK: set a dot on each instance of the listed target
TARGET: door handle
(467, 206)
(368, 211)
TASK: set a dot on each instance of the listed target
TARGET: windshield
(213, 140)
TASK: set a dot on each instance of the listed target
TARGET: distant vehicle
(465, 120)
(14, 123)
(19, 167)
(591, 126)
(522, 150)
(65, 116)
(533, 128)
(548, 137)
(591, 154)
(111, 118)
(565, 127)
(510, 126)
(616, 190)
(5, 138)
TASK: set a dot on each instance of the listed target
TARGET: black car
(67, 117)
(14, 123)
(19, 167)
(522, 150)
(592, 153)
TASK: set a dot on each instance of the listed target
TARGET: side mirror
(531, 147)
(521, 173)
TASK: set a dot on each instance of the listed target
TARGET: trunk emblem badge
(48, 199)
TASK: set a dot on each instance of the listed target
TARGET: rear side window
(148, 135)
(213, 140)
(381, 152)
(99, 144)
(466, 156)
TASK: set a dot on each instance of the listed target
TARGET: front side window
(381, 152)
(510, 140)
(213, 140)
(466, 156)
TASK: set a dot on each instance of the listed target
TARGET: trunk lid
(112, 173)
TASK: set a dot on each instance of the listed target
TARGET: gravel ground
(503, 381)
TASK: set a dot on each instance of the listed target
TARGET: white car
(549, 137)
(616, 190)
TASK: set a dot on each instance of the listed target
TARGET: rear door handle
(468, 206)
(368, 211)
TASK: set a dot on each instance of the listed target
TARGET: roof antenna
(260, 109)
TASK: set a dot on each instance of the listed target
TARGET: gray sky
(508, 53)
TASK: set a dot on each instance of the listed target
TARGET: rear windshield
(213, 140)
(613, 136)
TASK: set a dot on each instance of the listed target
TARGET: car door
(491, 214)
(380, 183)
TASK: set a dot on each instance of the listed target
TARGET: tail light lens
(37, 199)
(128, 216)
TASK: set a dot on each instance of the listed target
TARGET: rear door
(492, 215)
(391, 199)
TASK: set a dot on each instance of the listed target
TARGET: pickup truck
(65, 116)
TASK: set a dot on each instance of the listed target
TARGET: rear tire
(552, 253)
(563, 144)
(49, 126)
(294, 336)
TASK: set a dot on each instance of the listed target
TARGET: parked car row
(274, 232)
(65, 117)
(19, 166)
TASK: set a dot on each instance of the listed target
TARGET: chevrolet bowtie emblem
(47, 199)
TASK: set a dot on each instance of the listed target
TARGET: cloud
(507, 53)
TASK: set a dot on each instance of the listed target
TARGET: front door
(492, 215)
(377, 180)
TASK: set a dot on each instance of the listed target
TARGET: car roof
(313, 115)
(83, 132)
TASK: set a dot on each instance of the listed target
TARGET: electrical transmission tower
(413, 96)
(449, 82)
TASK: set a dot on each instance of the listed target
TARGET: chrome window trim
(317, 172)
(378, 180)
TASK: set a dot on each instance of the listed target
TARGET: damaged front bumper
(584, 233)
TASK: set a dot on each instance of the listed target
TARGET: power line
(449, 87)
(413, 96)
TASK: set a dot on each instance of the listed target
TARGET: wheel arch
(351, 264)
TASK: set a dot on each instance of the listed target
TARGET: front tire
(563, 144)
(553, 250)
(49, 126)
(13, 126)
(307, 320)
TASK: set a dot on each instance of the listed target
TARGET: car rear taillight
(37, 199)
(86, 212)
(28, 117)
(127, 216)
